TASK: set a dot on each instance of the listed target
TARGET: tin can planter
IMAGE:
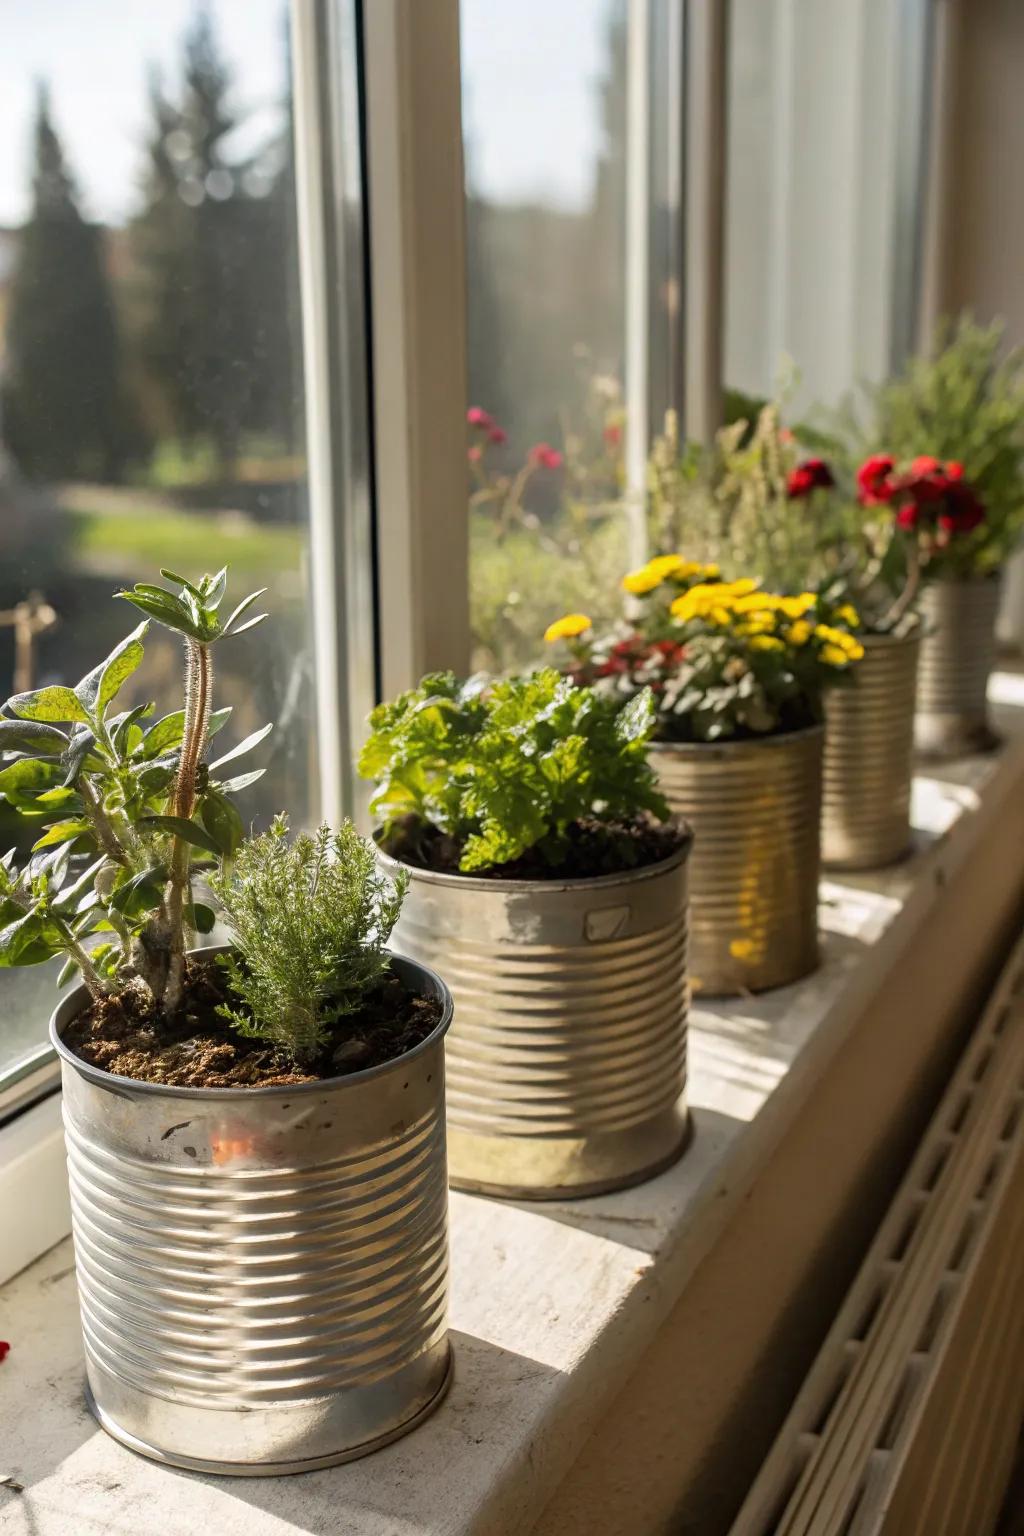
(262, 1272)
(755, 810)
(958, 653)
(566, 1065)
(869, 757)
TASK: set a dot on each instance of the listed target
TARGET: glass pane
(150, 365)
(544, 121)
(825, 162)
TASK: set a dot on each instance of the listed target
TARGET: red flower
(908, 516)
(476, 416)
(874, 480)
(546, 457)
(612, 435)
(811, 475)
(962, 511)
(474, 454)
(5, 1349)
(497, 435)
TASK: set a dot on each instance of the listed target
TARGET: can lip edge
(129, 1087)
(774, 740)
(447, 879)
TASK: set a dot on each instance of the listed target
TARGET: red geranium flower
(811, 475)
(962, 511)
(5, 1349)
(874, 480)
(476, 416)
(612, 436)
(497, 435)
(546, 457)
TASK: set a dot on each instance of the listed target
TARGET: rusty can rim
(128, 1087)
(532, 887)
(774, 741)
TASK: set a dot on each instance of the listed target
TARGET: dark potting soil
(592, 848)
(125, 1035)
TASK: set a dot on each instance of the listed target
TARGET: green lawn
(137, 546)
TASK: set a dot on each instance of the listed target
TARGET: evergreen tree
(212, 263)
(63, 410)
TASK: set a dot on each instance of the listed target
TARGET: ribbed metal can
(566, 1064)
(958, 653)
(262, 1272)
(755, 810)
(869, 756)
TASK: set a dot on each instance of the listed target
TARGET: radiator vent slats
(907, 1422)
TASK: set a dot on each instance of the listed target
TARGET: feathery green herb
(309, 920)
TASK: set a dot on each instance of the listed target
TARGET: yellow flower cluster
(666, 568)
(769, 621)
(568, 627)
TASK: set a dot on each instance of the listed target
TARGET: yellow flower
(738, 589)
(766, 643)
(848, 615)
(799, 633)
(796, 607)
(832, 656)
(658, 570)
(701, 602)
(567, 628)
(839, 640)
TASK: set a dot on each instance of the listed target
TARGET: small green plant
(309, 921)
(136, 797)
(508, 767)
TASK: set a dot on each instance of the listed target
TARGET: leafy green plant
(309, 920)
(135, 796)
(511, 766)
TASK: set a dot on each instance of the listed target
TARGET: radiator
(908, 1421)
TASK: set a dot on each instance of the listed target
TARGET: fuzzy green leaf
(177, 826)
(244, 746)
(222, 822)
(99, 687)
(31, 737)
(63, 832)
(53, 704)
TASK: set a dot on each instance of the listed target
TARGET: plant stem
(198, 691)
(105, 834)
(906, 598)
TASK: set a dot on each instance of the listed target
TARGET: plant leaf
(99, 686)
(244, 746)
(177, 826)
(245, 604)
(222, 822)
(49, 704)
(249, 624)
(62, 832)
(232, 786)
(31, 737)
(165, 608)
(200, 917)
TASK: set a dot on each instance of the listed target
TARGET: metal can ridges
(263, 1274)
(869, 753)
(958, 653)
(754, 806)
(566, 1065)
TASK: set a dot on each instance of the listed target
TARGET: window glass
(826, 128)
(151, 403)
(544, 123)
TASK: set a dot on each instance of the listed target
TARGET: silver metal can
(958, 654)
(755, 810)
(263, 1272)
(869, 756)
(566, 1065)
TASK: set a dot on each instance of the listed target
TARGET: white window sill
(552, 1305)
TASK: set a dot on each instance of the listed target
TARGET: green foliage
(65, 413)
(309, 920)
(134, 796)
(966, 403)
(511, 766)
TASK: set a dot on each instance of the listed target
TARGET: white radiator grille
(908, 1420)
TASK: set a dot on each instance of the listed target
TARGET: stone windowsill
(551, 1303)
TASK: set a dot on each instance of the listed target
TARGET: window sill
(552, 1305)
